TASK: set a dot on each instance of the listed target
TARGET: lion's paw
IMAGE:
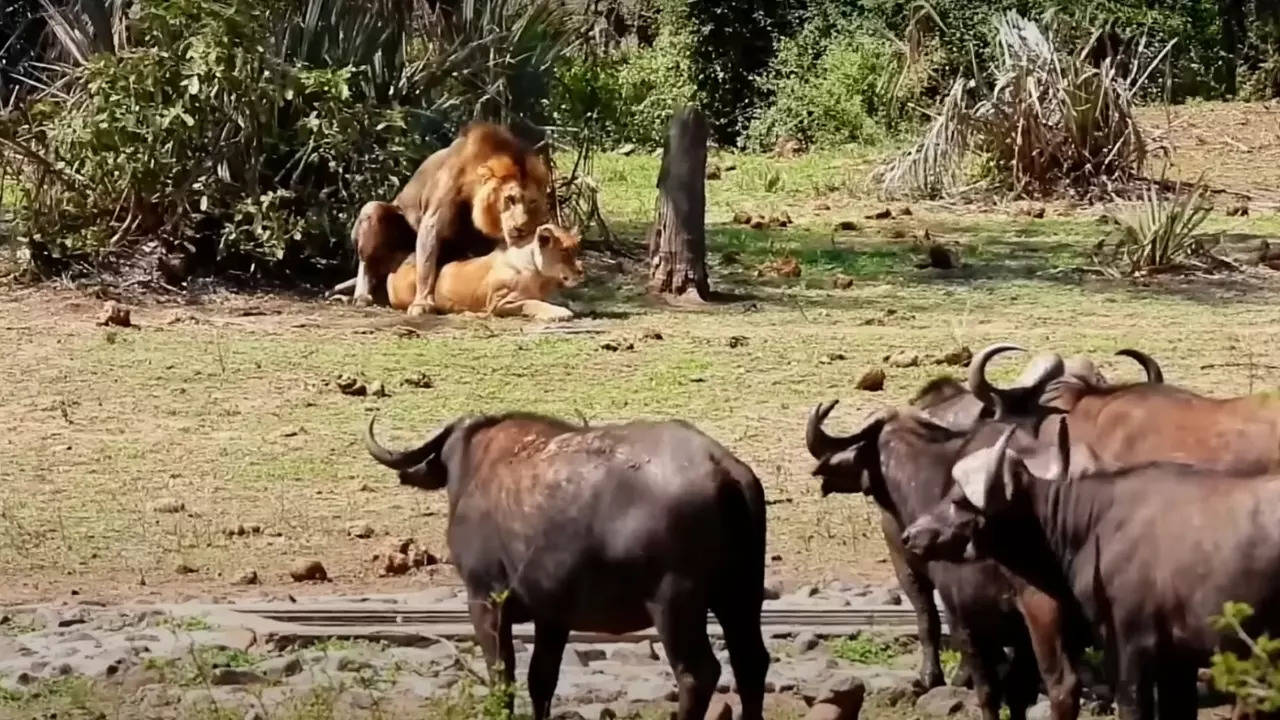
(422, 308)
(556, 314)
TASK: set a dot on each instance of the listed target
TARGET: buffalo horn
(821, 444)
(403, 460)
(978, 383)
(1148, 363)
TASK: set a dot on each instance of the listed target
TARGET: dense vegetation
(243, 136)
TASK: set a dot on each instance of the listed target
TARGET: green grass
(236, 415)
(866, 649)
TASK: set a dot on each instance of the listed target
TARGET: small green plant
(1254, 680)
(951, 660)
(190, 623)
(1160, 234)
(864, 649)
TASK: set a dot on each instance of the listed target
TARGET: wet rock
(305, 569)
(942, 702)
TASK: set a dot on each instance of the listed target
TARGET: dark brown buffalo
(950, 404)
(1147, 554)
(605, 529)
(902, 459)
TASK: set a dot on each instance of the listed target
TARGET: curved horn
(1148, 363)
(978, 383)
(403, 460)
(820, 443)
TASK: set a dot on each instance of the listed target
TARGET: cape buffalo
(1148, 554)
(603, 529)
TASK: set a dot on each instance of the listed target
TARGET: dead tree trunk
(677, 240)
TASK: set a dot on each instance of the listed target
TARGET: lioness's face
(559, 248)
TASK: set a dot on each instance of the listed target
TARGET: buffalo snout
(932, 537)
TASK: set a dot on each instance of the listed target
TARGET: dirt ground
(167, 459)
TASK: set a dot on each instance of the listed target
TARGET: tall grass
(1043, 121)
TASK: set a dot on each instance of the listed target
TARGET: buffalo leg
(1022, 685)
(544, 667)
(983, 660)
(493, 635)
(1134, 684)
(1176, 694)
(919, 592)
(1056, 654)
(680, 615)
(740, 620)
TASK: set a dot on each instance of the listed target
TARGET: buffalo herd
(1058, 513)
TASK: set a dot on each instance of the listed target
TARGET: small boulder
(113, 313)
(846, 226)
(959, 357)
(827, 711)
(248, 577)
(842, 690)
(741, 218)
(278, 668)
(307, 569)
(396, 564)
(805, 642)
(361, 530)
(871, 381)
(167, 505)
(942, 702)
(419, 380)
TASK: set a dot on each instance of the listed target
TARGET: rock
(741, 218)
(720, 708)
(626, 149)
(649, 691)
(377, 389)
(846, 226)
(827, 711)
(359, 699)
(418, 380)
(805, 642)
(420, 558)
(305, 569)
(569, 714)
(1040, 711)
(713, 171)
(844, 691)
(758, 223)
(1239, 208)
(396, 564)
(633, 653)
(903, 359)
(784, 220)
(884, 214)
(248, 577)
(614, 346)
(788, 147)
(184, 569)
(360, 530)
(235, 676)
(959, 357)
(350, 385)
(883, 596)
(167, 505)
(829, 358)
(278, 668)
(942, 702)
(587, 655)
(113, 313)
(805, 592)
(905, 211)
(772, 589)
(871, 381)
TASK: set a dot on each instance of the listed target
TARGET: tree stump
(677, 240)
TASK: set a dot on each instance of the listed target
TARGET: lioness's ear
(546, 235)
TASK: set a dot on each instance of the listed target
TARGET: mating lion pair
(468, 233)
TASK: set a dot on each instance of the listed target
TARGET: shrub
(834, 84)
(1254, 680)
(1046, 122)
(245, 136)
(1160, 234)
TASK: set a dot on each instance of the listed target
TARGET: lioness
(512, 280)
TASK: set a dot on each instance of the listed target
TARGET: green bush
(245, 136)
(1254, 680)
(629, 97)
(835, 85)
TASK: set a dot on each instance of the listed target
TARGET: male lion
(486, 187)
(511, 280)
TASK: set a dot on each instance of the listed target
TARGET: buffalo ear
(846, 471)
(982, 475)
(1050, 460)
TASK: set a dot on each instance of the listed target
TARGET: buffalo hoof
(362, 300)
